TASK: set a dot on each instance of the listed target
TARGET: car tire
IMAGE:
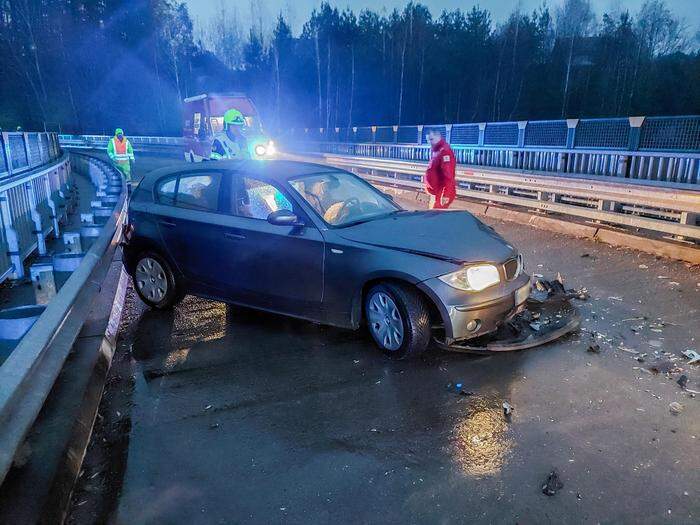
(398, 319)
(155, 282)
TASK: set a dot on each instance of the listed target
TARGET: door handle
(167, 223)
(234, 236)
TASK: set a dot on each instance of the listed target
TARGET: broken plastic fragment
(552, 484)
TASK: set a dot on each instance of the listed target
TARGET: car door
(279, 268)
(190, 224)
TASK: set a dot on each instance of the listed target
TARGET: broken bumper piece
(546, 318)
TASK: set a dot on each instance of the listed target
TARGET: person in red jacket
(440, 175)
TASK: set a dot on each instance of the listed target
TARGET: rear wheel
(398, 320)
(155, 282)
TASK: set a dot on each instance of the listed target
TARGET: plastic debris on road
(692, 356)
(552, 485)
(675, 407)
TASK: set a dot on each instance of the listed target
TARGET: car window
(257, 199)
(199, 192)
(342, 198)
(165, 191)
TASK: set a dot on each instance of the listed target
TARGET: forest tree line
(92, 65)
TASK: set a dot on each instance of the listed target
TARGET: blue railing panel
(467, 134)
(501, 134)
(384, 135)
(671, 133)
(408, 135)
(545, 133)
(17, 152)
(603, 133)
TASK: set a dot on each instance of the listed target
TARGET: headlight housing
(473, 278)
(260, 150)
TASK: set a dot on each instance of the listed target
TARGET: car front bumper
(466, 315)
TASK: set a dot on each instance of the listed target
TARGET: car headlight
(260, 150)
(473, 278)
(271, 150)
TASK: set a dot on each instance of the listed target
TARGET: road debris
(663, 366)
(552, 484)
(507, 410)
(682, 381)
(593, 348)
(675, 407)
(692, 355)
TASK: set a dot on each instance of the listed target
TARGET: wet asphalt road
(217, 414)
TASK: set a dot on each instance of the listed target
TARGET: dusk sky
(298, 10)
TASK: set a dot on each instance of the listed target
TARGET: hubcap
(150, 279)
(385, 321)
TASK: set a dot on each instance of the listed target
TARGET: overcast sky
(298, 10)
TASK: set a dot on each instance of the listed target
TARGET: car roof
(276, 170)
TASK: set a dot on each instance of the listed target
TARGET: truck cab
(204, 117)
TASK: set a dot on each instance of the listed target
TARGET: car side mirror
(284, 218)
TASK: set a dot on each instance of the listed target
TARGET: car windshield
(342, 199)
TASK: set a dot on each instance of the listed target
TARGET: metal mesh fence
(670, 133)
(501, 134)
(363, 135)
(408, 135)
(603, 133)
(17, 151)
(45, 152)
(384, 135)
(546, 133)
(465, 134)
(33, 149)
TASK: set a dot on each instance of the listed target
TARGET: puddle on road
(481, 441)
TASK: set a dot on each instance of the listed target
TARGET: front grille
(510, 269)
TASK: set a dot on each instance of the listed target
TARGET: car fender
(375, 277)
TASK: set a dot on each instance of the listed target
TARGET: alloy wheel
(385, 321)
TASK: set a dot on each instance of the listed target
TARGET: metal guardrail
(28, 374)
(673, 211)
(22, 152)
(665, 167)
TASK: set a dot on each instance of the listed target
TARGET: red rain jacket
(440, 175)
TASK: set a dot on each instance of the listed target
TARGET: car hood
(455, 236)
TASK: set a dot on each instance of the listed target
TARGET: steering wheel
(347, 207)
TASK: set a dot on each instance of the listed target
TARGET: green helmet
(234, 117)
(119, 131)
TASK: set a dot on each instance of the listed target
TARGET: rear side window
(199, 192)
(166, 191)
(195, 191)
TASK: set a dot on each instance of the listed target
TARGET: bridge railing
(663, 149)
(21, 152)
(100, 141)
(34, 183)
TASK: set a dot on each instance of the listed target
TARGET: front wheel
(155, 282)
(398, 320)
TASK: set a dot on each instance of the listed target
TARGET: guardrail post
(36, 218)
(374, 134)
(8, 152)
(395, 129)
(448, 133)
(521, 133)
(420, 134)
(13, 249)
(482, 132)
(635, 132)
(53, 206)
